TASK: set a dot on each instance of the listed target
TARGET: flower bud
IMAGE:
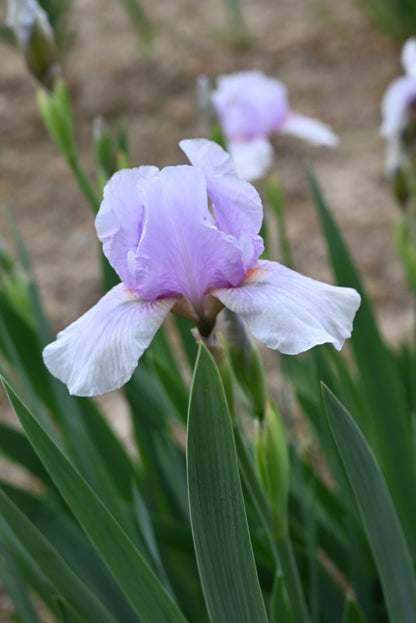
(104, 150)
(35, 36)
(400, 187)
(272, 464)
(14, 284)
(55, 110)
(111, 151)
(245, 361)
(405, 246)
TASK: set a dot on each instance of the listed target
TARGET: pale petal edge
(208, 156)
(290, 312)
(408, 57)
(311, 130)
(99, 352)
(252, 159)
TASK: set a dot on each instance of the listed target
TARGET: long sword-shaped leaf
(15, 586)
(69, 586)
(218, 517)
(389, 429)
(138, 582)
(384, 531)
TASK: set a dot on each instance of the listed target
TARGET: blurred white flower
(398, 110)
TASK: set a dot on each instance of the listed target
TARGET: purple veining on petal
(119, 221)
(236, 204)
(99, 352)
(182, 251)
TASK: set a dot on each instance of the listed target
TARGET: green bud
(105, 153)
(35, 37)
(272, 464)
(246, 362)
(405, 246)
(400, 187)
(14, 284)
(55, 110)
(111, 152)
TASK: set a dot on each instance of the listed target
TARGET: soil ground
(336, 66)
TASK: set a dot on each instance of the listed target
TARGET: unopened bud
(245, 361)
(13, 284)
(405, 246)
(104, 150)
(55, 110)
(400, 187)
(35, 36)
(272, 463)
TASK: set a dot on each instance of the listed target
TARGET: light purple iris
(397, 102)
(251, 107)
(186, 239)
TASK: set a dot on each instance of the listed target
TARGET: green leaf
(353, 613)
(279, 609)
(381, 523)
(15, 586)
(51, 517)
(78, 596)
(173, 385)
(140, 585)
(218, 517)
(108, 444)
(36, 310)
(17, 448)
(389, 429)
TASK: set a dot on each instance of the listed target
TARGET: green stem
(283, 239)
(83, 182)
(282, 547)
(284, 551)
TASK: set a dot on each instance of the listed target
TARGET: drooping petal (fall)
(119, 222)
(99, 352)
(398, 96)
(289, 312)
(311, 130)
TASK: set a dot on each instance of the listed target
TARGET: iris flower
(250, 108)
(186, 239)
(398, 107)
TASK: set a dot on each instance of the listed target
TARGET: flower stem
(284, 551)
(83, 182)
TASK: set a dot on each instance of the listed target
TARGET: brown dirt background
(336, 65)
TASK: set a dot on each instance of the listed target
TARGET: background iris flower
(398, 110)
(251, 107)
